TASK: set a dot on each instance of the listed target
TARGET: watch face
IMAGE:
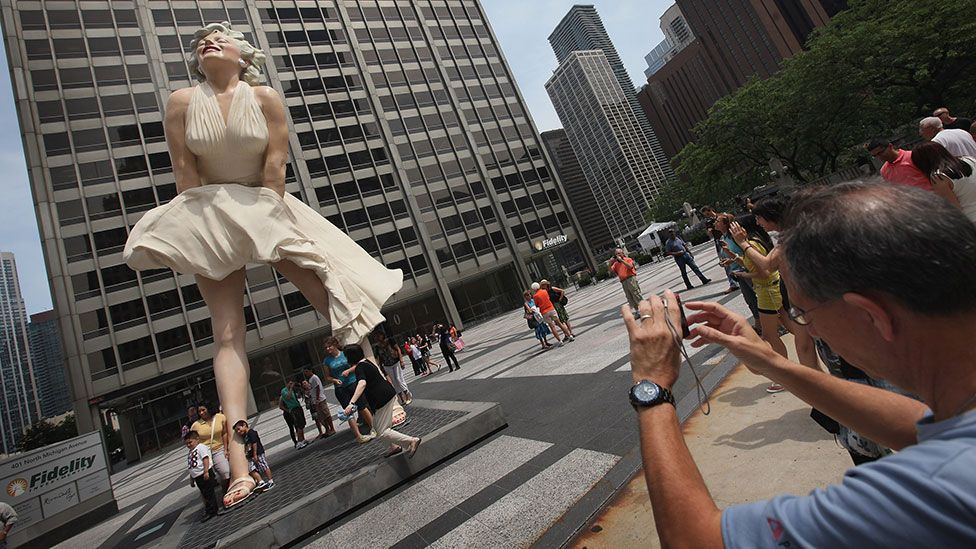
(646, 391)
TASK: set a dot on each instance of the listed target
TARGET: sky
(522, 28)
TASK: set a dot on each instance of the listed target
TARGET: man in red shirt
(541, 297)
(626, 271)
(898, 167)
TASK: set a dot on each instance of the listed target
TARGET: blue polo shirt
(923, 496)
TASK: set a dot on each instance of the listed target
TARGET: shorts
(551, 314)
(261, 465)
(344, 395)
(220, 464)
(768, 299)
(298, 414)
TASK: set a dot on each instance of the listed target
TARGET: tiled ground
(317, 465)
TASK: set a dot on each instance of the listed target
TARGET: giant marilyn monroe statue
(228, 140)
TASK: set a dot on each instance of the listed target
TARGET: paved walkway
(752, 446)
(569, 444)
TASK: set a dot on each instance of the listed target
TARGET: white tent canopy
(649, 239)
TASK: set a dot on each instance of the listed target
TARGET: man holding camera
(847, 245)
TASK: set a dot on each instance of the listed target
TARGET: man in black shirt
(950, 122)
(381, 398)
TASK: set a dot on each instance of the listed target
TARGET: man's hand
(654, 355)
(716, 324)
(337, 382)
(206, 475)
(348, 410)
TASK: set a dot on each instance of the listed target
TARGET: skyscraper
(581, 198)
(53, 390)
(581, 29)
(19, 407)
(406, 130)
(608, 141)
(677, 36)
(734, 40)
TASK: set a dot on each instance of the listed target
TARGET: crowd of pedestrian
(371, 394)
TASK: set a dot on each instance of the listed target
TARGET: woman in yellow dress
(228, 141)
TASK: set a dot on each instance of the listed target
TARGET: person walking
(342, 376)
(425, 345)
(320, 406)
(456, 339)
(290, 403)
(390, 357)
(381, 400)
(677, 248)
(559, 300)
(549, 314)
(535, 321)
(626, 270)
(289, 421)
(417, 357)
(447, 348)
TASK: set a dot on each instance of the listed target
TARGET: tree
(875, 67)
(44, 433)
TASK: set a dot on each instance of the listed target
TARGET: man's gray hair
(871, 236)
(254, 57)
(930, 122)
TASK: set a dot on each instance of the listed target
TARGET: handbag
(532, 323)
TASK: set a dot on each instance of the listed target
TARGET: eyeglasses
(798, 315)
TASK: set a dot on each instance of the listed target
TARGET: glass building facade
(609, 141)
(47, 358)
(406, 131)
(19, 406)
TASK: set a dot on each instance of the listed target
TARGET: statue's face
(218, 46)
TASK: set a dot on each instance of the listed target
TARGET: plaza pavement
(571, 443)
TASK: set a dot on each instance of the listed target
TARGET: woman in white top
(228, 140)
(951, 177)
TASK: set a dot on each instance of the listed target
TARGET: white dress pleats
(231, 220)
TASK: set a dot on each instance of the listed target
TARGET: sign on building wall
(48, 482)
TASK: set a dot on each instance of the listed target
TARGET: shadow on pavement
(774, 431)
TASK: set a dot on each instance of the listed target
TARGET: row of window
(69, 19)
(83, 77)
(88, 107)
(67, 48)
(95, 139)
(192, 17)
(109, 205)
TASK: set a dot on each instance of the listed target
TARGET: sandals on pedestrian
(413, 448)
(393, 452)
(238, 486)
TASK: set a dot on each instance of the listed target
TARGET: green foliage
(643, 259)
(585, 279)
(43, 433)
(602, 272)
(877, 66)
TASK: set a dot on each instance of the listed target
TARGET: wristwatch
(646, 393)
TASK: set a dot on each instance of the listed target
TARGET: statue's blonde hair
(254, 57)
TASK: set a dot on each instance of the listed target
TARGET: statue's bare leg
(225, 300)
(314, 291)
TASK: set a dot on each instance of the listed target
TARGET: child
(200, 463)
(255, 456)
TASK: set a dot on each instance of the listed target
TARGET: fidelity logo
(42, 478)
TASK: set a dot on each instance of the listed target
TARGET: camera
(685, 332)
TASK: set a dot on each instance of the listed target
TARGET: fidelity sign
(47, 481)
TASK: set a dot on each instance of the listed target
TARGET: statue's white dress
(231, 220)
